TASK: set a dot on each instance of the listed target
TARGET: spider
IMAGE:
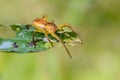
(42, 25)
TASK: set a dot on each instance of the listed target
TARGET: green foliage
(23, 43)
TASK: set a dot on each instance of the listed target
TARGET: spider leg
(61, 26)
(45, 17)
(48, 37)
(54, 35)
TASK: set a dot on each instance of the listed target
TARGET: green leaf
(22, 42)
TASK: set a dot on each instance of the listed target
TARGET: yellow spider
(42, 25)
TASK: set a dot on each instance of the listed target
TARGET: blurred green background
(98, 22)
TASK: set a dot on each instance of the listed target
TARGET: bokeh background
(98, 22)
